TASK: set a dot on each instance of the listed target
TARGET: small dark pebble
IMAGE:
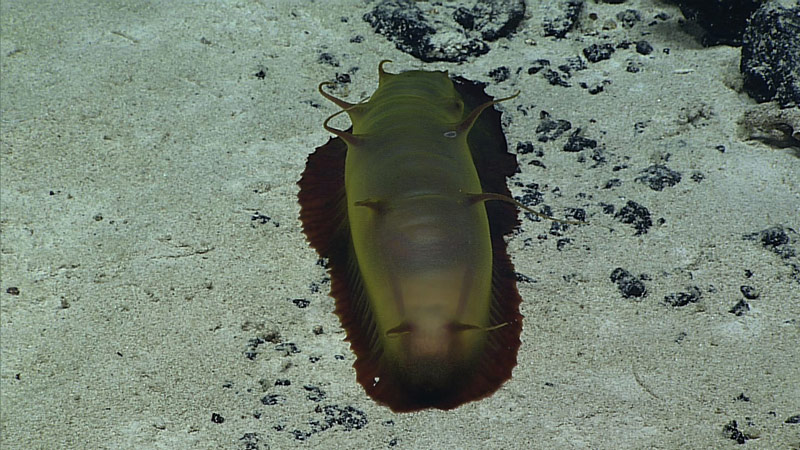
(302, 435)
(628, 285)
(263, 219)
(644, 48)
(683, 298)
(636, 215)
(301, 302)
(577, 214)
(659, 176)
(327, 58)
(287, 348)
(272, 399)
(565, 20)
(499, 74)
(523, 148)
(574, 64)
(749, 292)
(598, 52)
(556, 78)
(538, 65)
(549, 129)
(576, 143)
(315, 394)
(521, 278)
(740, 308)
(634, 67)
(250, 441)
(731, 429)
(629, 17)
(349, 418)
(775, 239)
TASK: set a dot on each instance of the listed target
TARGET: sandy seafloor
(150, 226)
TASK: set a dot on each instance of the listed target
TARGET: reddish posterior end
(446, 365)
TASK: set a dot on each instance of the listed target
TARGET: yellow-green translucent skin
(423, 248)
